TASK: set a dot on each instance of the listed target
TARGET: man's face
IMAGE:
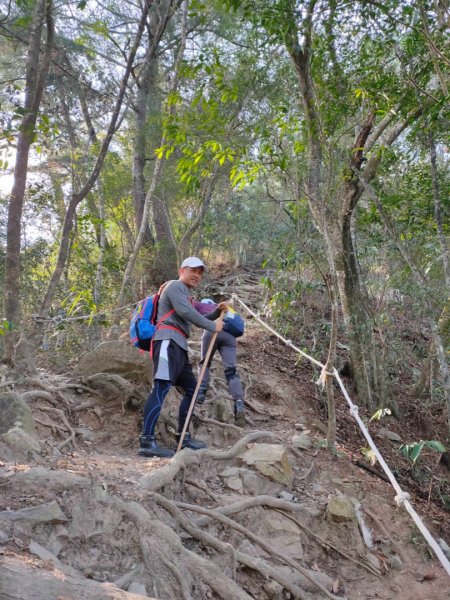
(191, 276)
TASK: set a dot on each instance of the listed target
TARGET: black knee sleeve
(230, 373)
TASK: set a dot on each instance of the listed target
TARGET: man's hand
(222, 306)
(219, 325)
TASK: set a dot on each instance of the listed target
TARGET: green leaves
(5, 326)
(379, 414)
(413, 451)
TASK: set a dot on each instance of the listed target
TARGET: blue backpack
(233, 323)
(144, 322)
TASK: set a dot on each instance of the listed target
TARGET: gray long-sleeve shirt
(176, 297)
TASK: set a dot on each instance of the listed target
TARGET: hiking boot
(239, 412)
(200, 397)
(190, 443)
(150, 448)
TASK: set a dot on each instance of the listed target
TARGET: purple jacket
(204, 308)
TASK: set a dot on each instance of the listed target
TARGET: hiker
(226, 345)
(171, 364)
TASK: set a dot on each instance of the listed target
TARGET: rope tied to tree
(402, 498)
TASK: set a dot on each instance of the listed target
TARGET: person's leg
(163, 363)
(206, 340)
(188, 382)
(227, 349)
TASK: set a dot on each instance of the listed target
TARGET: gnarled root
(165, 476)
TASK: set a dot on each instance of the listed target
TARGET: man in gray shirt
(171, 364)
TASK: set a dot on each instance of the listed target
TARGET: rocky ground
(265, 512)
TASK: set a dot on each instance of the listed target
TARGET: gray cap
(192, 262)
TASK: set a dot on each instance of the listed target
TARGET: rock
(4, 537)
(18, 443)
(248, 548)
(389, 435)
(45, 513)
(234, 483)
(22, 579)
(40, 477)
(137, 588)
(396, 562)
(283, 534)
(230, 472)
(43, 553)
(84, 432)
(222, 411)
(286, 496)
(255, 484)
(58, 535)
(116, 356)
(273, 589)
(271, 460)
(302, 441)
(14, 410)
(340, 508)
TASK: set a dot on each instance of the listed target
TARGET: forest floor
(84, 517)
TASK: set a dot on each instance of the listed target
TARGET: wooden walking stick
(199, 382)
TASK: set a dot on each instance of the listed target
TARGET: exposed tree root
(41, 395)
(258, 540)
(62, 416)
(158, 542)
(254, 408)
(165, 476)
(263, 500)
(53, 426)
(201, 486)
(7, 383)
(395, 547)
(256, 564)
(326, 545)
(210, 421)
(85, 406)
(111, 385)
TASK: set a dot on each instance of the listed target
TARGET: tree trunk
(206, 192)
(357, 321)
(146, 88)
(36, 75)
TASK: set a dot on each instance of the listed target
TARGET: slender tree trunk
(207, 190)
(101, 246)
(146, 87)
(163, 229)
(331, 359)
(36, 75)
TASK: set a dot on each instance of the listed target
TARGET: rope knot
(354, 411)
(323, 378)
(402, 497)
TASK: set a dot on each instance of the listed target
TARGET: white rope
(401, 498)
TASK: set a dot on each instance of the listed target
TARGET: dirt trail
(289, 525)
